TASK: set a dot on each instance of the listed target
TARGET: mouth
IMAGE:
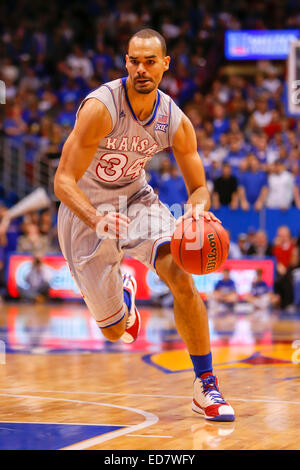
(142, 81)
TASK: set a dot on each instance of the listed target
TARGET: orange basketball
(199, 246)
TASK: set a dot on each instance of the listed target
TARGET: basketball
(199, 246)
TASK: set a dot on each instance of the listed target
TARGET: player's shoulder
(108, 87)
(169, 107)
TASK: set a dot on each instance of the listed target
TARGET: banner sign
(149, 286)
(259, 44)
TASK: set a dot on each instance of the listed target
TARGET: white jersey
(122, 155)
(117, 170)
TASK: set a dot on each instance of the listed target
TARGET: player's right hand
(113, 225)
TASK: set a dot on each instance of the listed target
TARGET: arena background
(235, 72)
(228, 73)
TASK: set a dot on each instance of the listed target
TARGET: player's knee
(179, 281)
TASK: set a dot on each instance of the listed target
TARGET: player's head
(146, 60)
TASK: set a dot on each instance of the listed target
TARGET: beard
(143, 90)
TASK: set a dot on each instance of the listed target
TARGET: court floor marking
(64, 424)
(149, 435)
(142, 395)
(150, 419)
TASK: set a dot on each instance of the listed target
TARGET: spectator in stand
(55, 144)
(252, 185)
(67, 116)
(235, 155)
(221, 150)
(49, 229)
(37, 280)
(234, 249)
(261, 296)
(225, 189)
(205, 152)
(172, 190)
(260, 149)
(14, 126)
(259, 86)
(220, 121)
(262, 116)
(293, 161)
(79, 64)
(274, 126)
(165, 169)
(271, 83)
(261, 246)
(283, 247)
(153, 179)
(225, 290)
(286, 253)
(32, 241)
(243, 244)
(194, 116)
(280, 187)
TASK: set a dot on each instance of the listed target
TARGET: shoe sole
(200, 412)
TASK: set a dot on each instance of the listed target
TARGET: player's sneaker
(133, 322)
(208, 400)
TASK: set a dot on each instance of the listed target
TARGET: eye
(134, 61)
(150, 62)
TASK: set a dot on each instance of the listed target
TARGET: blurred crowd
(53, 54)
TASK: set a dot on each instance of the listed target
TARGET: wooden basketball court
(63, 386)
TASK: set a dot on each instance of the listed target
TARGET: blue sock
(202, 364)
(127, 299)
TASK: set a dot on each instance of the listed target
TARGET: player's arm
(93, 123)
(186, 154)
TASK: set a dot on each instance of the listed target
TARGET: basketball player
(118, 128)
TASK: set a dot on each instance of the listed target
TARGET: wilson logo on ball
(212, 255)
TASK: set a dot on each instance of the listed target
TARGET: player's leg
(189, 310)
(154, 226)
(192, 324)
(111, 301)
(109, 297)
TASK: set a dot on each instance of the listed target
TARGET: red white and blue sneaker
(208, 400)
(133, 322)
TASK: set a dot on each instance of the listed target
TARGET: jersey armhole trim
(117, 117)
(95, 97)
(170, 108)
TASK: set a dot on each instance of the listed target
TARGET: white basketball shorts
(95, 262)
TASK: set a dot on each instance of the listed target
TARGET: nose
(141, 68)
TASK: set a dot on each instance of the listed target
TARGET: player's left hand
(196, 212)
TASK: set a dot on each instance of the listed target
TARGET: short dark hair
(150, 33)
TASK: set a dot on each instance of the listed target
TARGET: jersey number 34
(111, 167)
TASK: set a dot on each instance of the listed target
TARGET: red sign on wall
(63, 286)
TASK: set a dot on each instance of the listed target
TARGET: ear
(126, 60)
(167, 61)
